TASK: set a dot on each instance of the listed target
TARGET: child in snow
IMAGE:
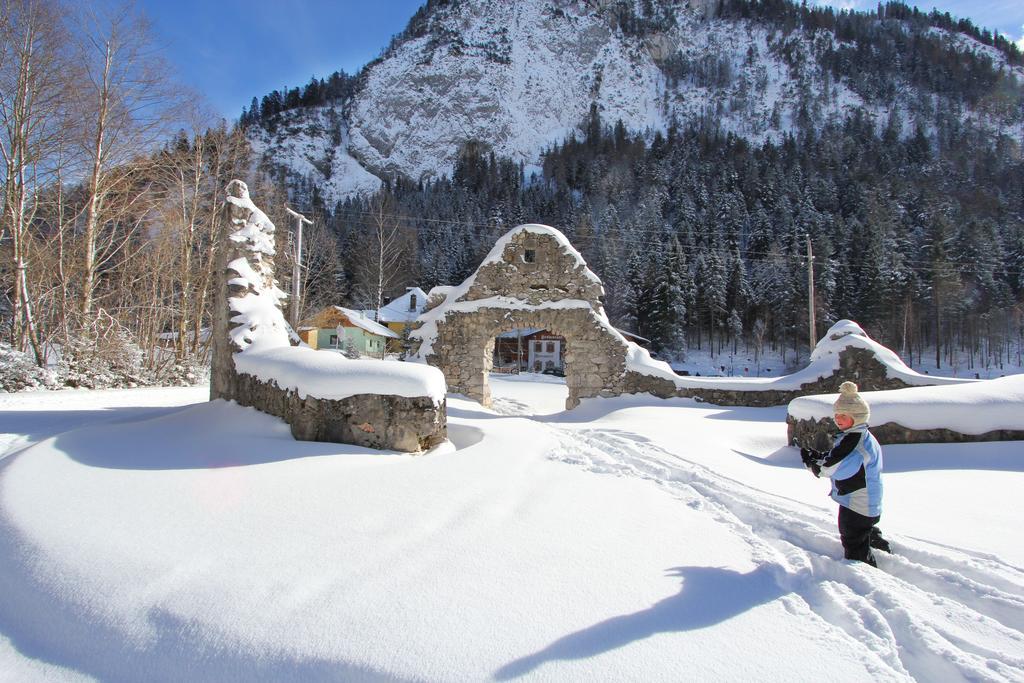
(855, 467)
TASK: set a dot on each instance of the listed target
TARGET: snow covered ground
(150, 535)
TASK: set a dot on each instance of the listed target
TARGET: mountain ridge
(521, 77)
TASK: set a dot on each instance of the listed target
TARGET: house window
(334, 340)
(530, 255)
(412, 302)
(538, 347)
(551, 347)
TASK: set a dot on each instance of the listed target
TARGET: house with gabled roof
(401, 312)
(345, 329)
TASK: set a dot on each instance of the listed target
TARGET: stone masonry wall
(592, 356)
(370, 420)
(819, 434)
(855, 364)
(534, 275)
(553, 275)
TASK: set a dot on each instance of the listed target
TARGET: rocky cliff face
(520, 76)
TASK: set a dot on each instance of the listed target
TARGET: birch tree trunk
(31, 89)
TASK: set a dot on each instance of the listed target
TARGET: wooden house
(343, 329)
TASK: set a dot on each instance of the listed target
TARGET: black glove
(812, 460)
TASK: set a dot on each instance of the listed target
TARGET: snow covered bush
(184, 373)
(103, 356)
(18, 371)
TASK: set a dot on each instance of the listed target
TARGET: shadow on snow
(709, 595)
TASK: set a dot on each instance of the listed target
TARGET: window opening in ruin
(412, 302)
(530, 255)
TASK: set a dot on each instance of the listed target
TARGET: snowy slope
(630, 539)
(310, 146)
(521, 76)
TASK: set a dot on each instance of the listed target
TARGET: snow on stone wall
(322, 395)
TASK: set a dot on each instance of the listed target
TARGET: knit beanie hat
(850, 403)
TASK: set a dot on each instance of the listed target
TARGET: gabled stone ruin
(322, 395)
(532, 278)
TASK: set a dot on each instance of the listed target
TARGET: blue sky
(233, 50)
(1004, 16)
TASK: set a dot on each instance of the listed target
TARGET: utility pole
(810, 296)
(297, 267)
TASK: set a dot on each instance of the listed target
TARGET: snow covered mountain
(521, 76)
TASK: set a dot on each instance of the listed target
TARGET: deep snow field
(150, 535)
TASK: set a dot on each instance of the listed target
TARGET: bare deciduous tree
(383, 248)
(32, 92)
(126, 108)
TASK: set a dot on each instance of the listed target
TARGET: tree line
(111, 198)
(701, 238)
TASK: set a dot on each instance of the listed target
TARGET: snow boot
(876, 541)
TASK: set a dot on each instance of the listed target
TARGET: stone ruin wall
(855, 364)
(464, 346)
(820, 434)
(595, 359)
(379, 421)
(369, 420)
(591, 354)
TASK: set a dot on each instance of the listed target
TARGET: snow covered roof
(405, 308)
(361, 321)
(440, 290)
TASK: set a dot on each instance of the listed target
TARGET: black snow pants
(859, 535)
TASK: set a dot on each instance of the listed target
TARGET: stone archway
(533, 277)
(578, 347)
